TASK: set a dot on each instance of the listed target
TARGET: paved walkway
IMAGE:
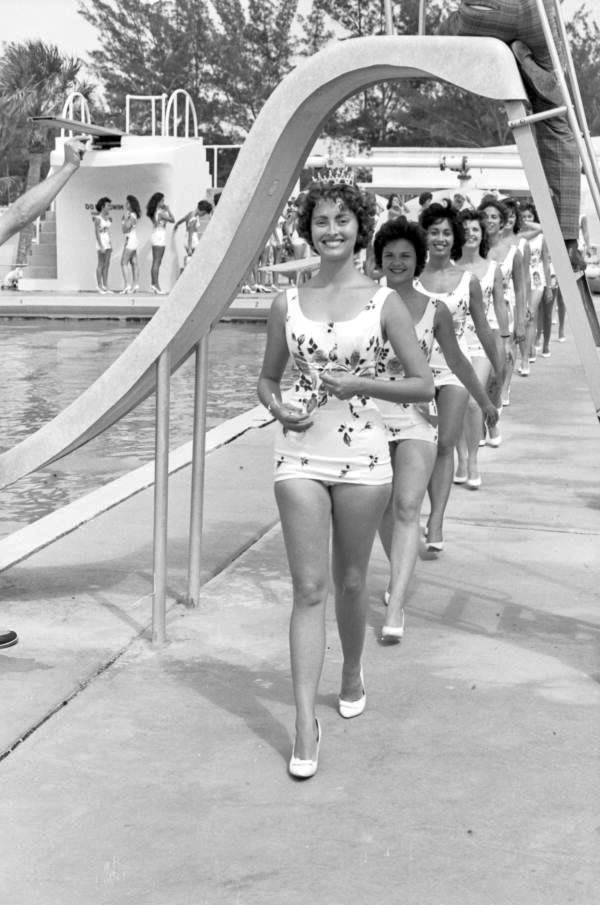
(472, 777)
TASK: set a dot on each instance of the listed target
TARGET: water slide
(264, 176)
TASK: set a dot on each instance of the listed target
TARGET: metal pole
(215, 165)
(389, 17)
(198, 456)
(161, 497)
(421, 17)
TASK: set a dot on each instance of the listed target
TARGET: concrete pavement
(471, 779)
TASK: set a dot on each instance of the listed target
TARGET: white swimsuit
(103, 242)
(405, 420)
(346, 444)
(476, 350)
(131, 239)
(457, 302)
(159, 233)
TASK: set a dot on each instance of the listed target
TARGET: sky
(58, 22)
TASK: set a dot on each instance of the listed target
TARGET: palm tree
(35, 78)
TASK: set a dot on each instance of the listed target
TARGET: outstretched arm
(37, 199)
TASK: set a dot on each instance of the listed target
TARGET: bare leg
(99, 269)
(135, 273)
(305, 511)
(357, 512)
(157, 256)
(105, 268)
(468, 447)
(413, 462)
(562, 314)
(508, 373)
(451, 404)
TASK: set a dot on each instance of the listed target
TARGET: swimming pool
(47, 364)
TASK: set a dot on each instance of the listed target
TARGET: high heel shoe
(349, 709)
(304, 769)
(392, 634)
(474, 483)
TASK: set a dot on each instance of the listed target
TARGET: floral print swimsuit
(457, 302)
(406, 420)
(347, 441)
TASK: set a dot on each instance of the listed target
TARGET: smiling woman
(332, 464)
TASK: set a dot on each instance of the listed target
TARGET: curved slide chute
(263, 177)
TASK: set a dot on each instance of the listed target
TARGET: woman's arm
(417, 383)
(274, 362)
(443, 329)
(520, 297)
(500, 306)
(546, 263)
(97, 229)
(482, 328)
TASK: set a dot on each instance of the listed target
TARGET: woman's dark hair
(155, 200)
(134, 204)
(529, 206)
(401, 228)
(362, 205)
(391, 200)
(436, 212)
(424, 197)
(101, 202)
(469, 214)
(205, 206)
(512, 206)
(492, 201)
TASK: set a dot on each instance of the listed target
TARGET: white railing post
(421, 17)
(389, 17)
(198, 457)
(161, 497)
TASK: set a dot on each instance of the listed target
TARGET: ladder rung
(537, 117)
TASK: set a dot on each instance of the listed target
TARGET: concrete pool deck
(159, 775)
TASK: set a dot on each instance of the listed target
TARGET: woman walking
(461, 292)
(332, 465)
(400, 249)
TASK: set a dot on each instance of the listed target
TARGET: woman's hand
(340, 383)
(490, 414)
(291, 417)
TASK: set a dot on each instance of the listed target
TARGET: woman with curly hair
(474, 259)
(461, 293)
(504, 249)
(400, 249)
(158, 211)
(332, 465)
(129, 258)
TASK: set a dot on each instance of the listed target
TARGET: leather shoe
(8, 638)
(392, 634)
(349, 709)
(304, 769)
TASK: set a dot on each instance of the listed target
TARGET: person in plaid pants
(517, 23)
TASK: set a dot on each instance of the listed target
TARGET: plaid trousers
(511, 20)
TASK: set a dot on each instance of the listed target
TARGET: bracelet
(506, 335)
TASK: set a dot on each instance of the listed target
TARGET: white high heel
(304, 769)
(350, 709)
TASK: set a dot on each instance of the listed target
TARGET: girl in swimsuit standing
(102, 224)
(129, 256)
(158, 211)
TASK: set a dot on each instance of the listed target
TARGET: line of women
(161, 216)
(358, 441)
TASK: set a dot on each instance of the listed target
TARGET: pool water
(46, 365)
